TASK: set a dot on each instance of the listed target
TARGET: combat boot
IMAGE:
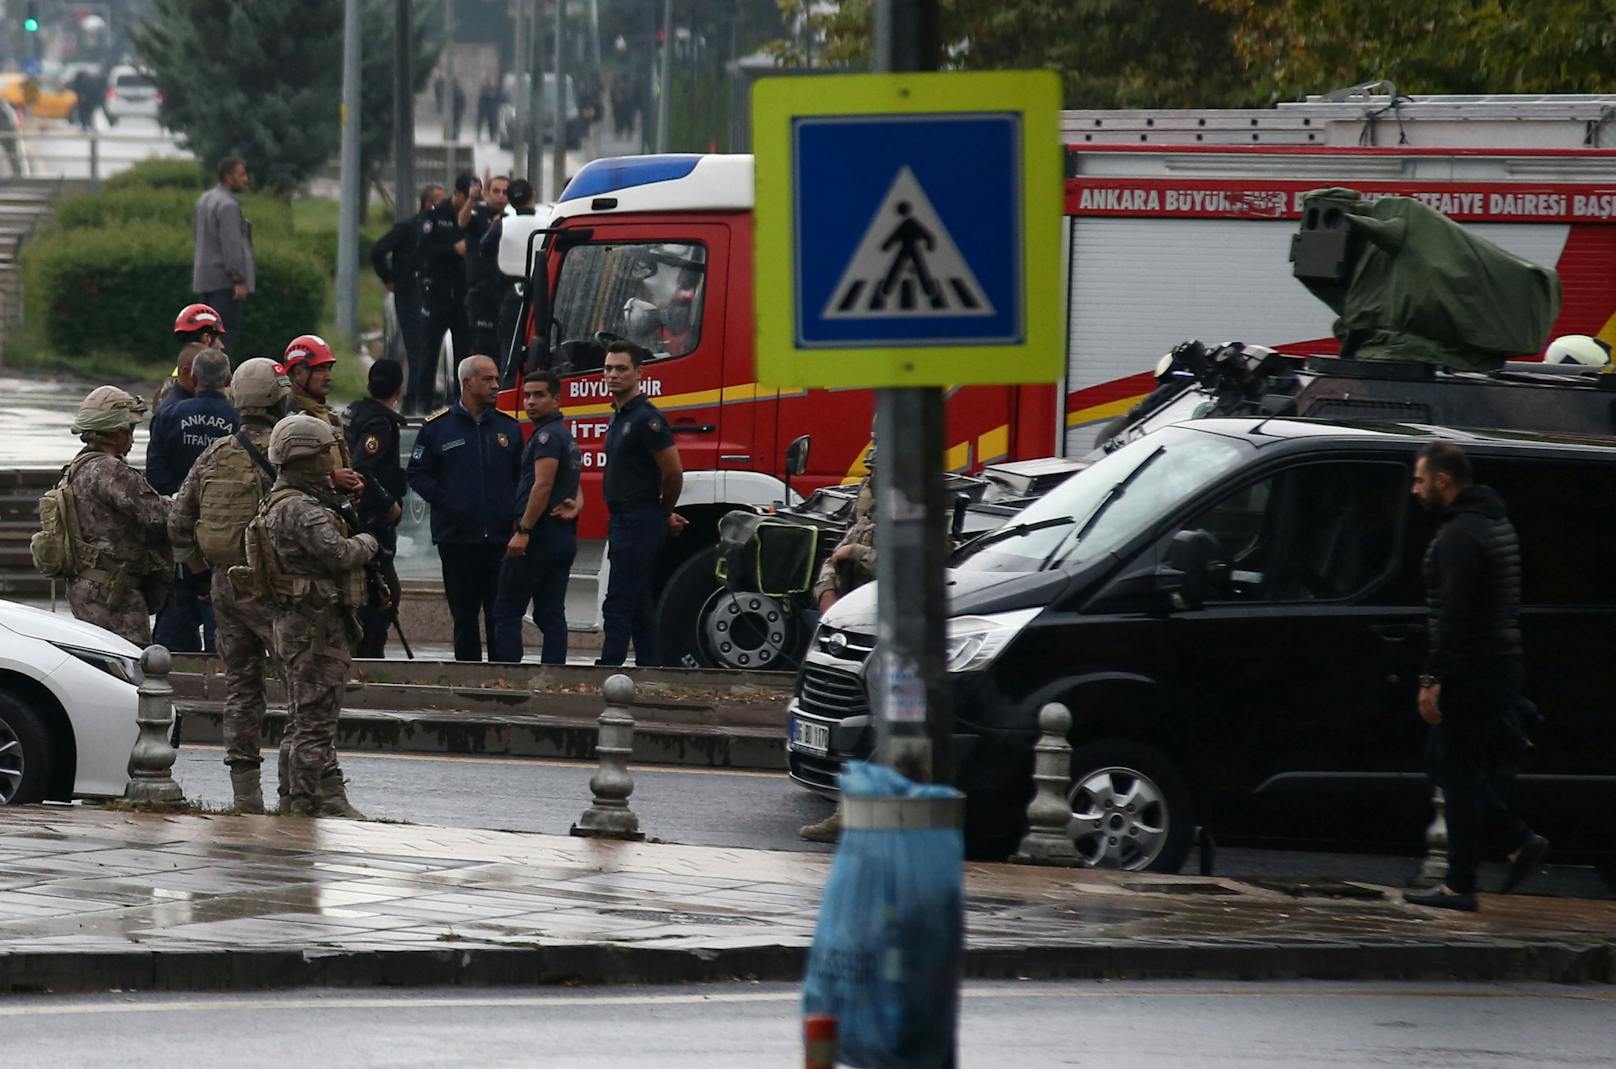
(824, 831)
(245, 784)
(333, 800)
(299, 806)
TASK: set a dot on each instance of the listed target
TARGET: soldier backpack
(58, 549)
(230, 500)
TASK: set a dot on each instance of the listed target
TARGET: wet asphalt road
(755, 810)
(1135, 1025)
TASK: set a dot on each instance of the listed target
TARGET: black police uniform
(482, 300)
(637, 530)
(540, 575)
(372, 430)
(443, 292)
(394, 260)
(467, 469)
(508, 295)
(181, 430)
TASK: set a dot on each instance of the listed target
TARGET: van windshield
(1103, 506)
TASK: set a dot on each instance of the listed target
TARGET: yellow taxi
(43, 98)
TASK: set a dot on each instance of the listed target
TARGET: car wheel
(25, 753)
(702, 624)
(1130, 808)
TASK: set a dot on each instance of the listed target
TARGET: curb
(230, 969)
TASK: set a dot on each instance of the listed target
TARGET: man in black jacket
(373, 429)
(1471, 689)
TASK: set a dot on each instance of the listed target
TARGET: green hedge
(171, 207)
(162, 174)
(114, 291)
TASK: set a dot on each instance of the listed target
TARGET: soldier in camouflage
(218, 499)
(123, 522)
(317, 576)
(852, 563)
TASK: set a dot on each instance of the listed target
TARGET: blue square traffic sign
(908, 230)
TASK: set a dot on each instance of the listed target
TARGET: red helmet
(308, 350)
(195, 317)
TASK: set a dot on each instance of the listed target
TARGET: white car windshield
(1104, 505)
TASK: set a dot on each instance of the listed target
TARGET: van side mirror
(956, 525)
(1189, 564)
(797, 455)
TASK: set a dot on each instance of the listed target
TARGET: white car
(67, 707)
(131, 94)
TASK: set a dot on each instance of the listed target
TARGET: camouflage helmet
(260, 383)
(300, 437)
(107, 410)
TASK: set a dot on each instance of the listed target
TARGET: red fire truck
(1177, 224)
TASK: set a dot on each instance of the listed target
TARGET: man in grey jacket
(222, 274)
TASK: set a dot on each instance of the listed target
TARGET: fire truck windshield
(650, 293)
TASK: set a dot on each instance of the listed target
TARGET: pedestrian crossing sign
(908, 229)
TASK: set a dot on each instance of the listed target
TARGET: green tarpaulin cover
(1420, 287)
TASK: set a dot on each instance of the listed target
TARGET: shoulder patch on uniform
(544, 437)
(655, 425)
(426, 226)
(436, 414)
(373, 443)
(420, 451)
(504, 440)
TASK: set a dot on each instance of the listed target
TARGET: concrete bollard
(610, 817)
(1048, 842)
(1434, 869)
(151, 780)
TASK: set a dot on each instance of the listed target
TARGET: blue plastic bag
(889, 946)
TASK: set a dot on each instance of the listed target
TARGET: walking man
(373, 434)
(1471, 690)
(207, 526)
(539, 555)
(222, 274)
(466, 465)
(125, 565)
(317, 575)
(642, 485)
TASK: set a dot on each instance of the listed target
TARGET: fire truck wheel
(702, 624)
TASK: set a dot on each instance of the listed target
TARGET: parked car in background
(131, 93)
(68, 694)
(48, 99)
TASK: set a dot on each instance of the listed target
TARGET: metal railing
(83, 155)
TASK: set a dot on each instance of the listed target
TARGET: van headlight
(974, 641)
(116, 665)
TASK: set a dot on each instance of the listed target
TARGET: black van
(1233, 612)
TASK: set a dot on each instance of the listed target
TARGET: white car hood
(35, 623)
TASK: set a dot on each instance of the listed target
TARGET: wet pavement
(36, 412)
(84, 892)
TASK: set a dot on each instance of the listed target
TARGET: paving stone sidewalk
(94, 899)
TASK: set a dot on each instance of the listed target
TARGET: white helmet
(1577, 349)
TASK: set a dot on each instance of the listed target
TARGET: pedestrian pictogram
(907, 264)
(908, 229)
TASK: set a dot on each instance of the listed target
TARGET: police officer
(508, 290)
(211, 512)
(124, 561)
(395, 259)
(317, 569)
(642, 485)
(308, 362)
(179, 434)
(442, 249)
(482, 289)
(373, 432)
(466, 465)
(539, 555)
(197, 327)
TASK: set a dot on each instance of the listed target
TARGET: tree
(263, 80)
(1296, 47)
(376, 76)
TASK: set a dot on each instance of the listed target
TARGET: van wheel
(1130, 808)
(703, 625)
(25, 753)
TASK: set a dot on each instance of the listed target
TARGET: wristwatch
(523, 530)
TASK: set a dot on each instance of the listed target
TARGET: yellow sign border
(1035, 95)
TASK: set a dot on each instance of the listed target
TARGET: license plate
(813, 737)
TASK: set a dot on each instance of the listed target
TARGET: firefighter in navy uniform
(466, 465)
(373, 434)
(642, 485)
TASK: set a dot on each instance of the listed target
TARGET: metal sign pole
(914, 722)
(403, 112)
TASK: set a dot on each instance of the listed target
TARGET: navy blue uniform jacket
(467, 470)
(179, 433)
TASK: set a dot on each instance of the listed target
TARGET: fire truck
(1177, 224)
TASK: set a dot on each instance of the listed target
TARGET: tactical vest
(261, 577)
(229, 501)
(59, 551)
